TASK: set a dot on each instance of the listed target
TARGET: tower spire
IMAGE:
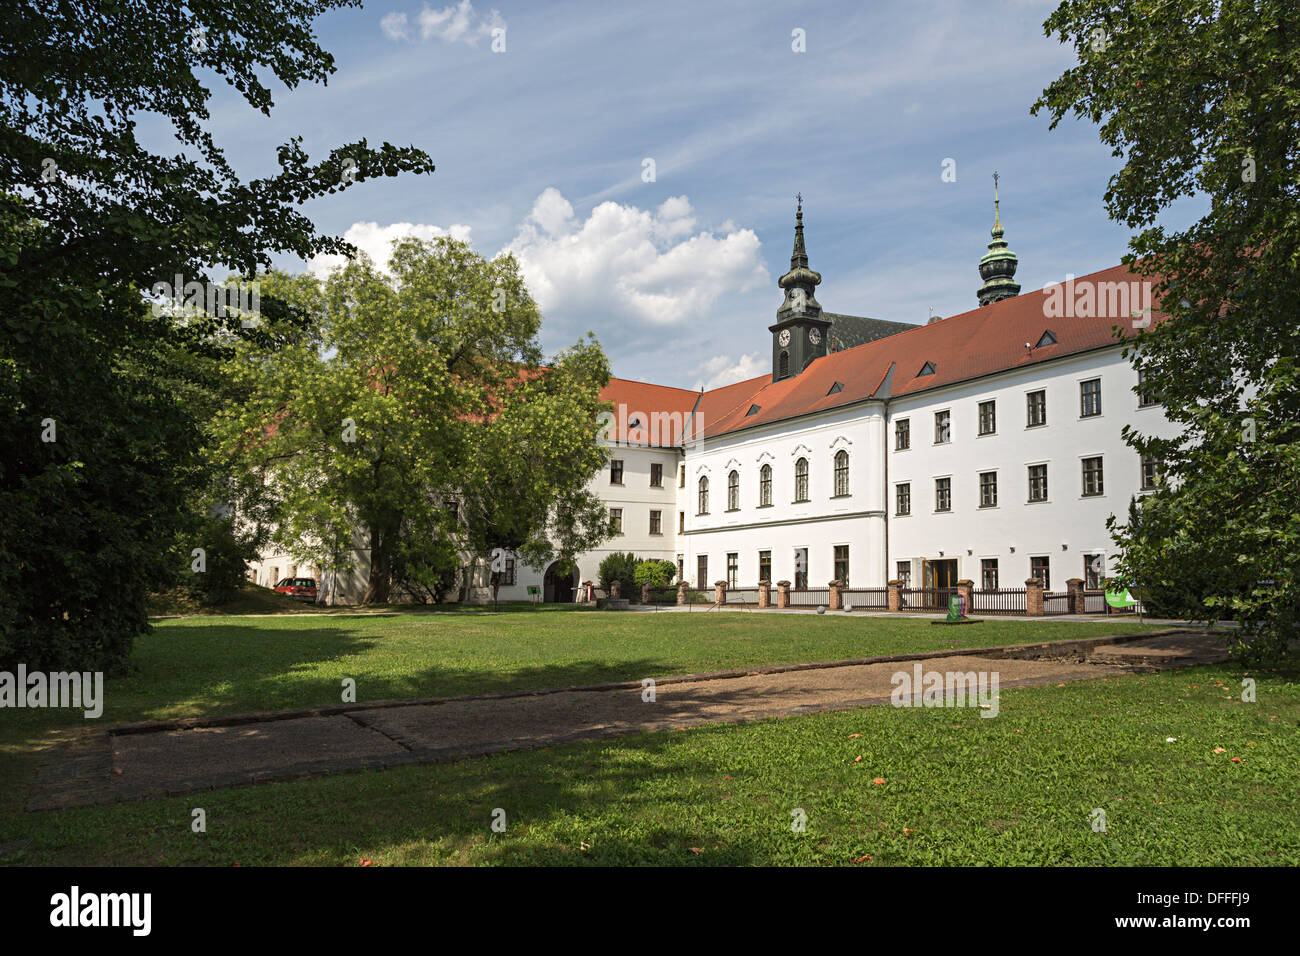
(998, 266)
(798, 258)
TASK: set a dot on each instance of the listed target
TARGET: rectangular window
(702, 571)
(681, 477)
(1094, 566)
(733, 569)
(842, 563)
(1150, 473)
(989, 574)
(988, 489)
(1145, 396)
(508, 576)
(1092, 479)
(904, 573)
(1041, 568)
(988, 417)
(943, 494)
(903, 505)
(656, 522)
(616, 520)
(1037, 482)
(656, 475)
(681, 522)
(765, 566)
(615, 471)
(765, 486)
(1036, 408)
(942, 427)
(902, 435)
(801, 568)
(1090, 398)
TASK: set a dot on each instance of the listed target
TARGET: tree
(417, 422)
(1201, 101)
(90, 221)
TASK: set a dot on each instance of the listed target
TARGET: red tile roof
(666, 412)
(970, 345)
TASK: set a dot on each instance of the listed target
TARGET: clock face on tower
(784, 337)
(814, 336)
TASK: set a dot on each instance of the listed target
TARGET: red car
(304, 588)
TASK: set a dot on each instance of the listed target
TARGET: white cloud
(376, 241)
(394, 26)
(452, 24)
(625, 265)
(722, 370)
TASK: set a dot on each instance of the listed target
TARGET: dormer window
(835, 388)
(1046, 339)
(753, 410)
(926, 369)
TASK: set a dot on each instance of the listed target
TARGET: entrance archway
(558, 588)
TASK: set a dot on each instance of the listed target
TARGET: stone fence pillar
(645, 593)
(588, 595)
(682, 589)
(895, 595)
(1074, 587)
(837, 596)
(1034, 597)
(719, 592)
(966, 591)
(782, 595)
(764, 594)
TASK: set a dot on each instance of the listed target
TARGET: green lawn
(640, 798)
(958, 789)
(208, 665)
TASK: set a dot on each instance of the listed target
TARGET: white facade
(1061, 529)
(798, 534)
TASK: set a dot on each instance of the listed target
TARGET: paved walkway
(169, 758)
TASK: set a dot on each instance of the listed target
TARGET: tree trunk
(377, 586)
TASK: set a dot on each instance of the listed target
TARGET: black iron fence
(925, 599)
(866, 599)
(999, 601)
(1056, 602)
(810, 597)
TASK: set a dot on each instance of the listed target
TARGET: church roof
(853, 330)
(981, 342)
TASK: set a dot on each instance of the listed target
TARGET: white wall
(1066, 526)
(818, 525)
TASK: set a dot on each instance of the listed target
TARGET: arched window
(733, 491)
(704, 496)
(801, 480)
(783, 365)
(765, 486)
(841, 472)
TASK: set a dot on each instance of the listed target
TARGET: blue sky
(541, 149)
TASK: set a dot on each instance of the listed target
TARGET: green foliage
(96, 519)
(416, 420)
(619, 567)
(656, 573)
(1200, 100)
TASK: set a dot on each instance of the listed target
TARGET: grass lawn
(957, 789)
(208, 665)
(648, 794)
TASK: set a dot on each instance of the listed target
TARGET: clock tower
(800, 333)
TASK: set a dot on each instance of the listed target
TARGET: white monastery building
(984, 446)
